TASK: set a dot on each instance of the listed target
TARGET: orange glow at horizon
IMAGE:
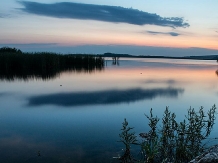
(183, 42)
(131, 38)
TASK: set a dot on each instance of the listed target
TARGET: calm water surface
(77, 117)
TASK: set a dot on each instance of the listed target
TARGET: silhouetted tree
(9, 50)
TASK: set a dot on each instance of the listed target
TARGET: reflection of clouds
(154, 81)
(102, 97)
(3, 94)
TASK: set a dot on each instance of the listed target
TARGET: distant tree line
(16, 64)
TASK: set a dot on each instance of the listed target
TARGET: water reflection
(115, 61)
(3, 94)
(103, 97)
(90, 133)
(36, 74)
(217, 72)
(153, 81)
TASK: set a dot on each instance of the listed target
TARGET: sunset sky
(138, 27)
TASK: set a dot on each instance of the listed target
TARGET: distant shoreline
(207, 57)
(112, 55)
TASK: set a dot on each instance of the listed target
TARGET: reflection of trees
(217, 70)
(17, 65)
(29, 74)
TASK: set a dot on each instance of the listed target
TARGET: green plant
(175, 142)
(127, 138)
(167, 135)
(149, 145)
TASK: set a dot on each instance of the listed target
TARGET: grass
(177, 142)
(14, 64)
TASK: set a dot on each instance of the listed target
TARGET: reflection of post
(217, 72)
(115, 60)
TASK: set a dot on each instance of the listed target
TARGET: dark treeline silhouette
(14, 64)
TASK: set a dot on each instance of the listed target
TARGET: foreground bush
(176, 142)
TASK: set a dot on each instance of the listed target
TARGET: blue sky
(139, 27)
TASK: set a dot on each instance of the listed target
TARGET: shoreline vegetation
(15, 64)
(171, 141)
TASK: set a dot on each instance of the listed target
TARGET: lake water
(77, 116)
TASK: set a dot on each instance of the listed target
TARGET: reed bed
(14, 64)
